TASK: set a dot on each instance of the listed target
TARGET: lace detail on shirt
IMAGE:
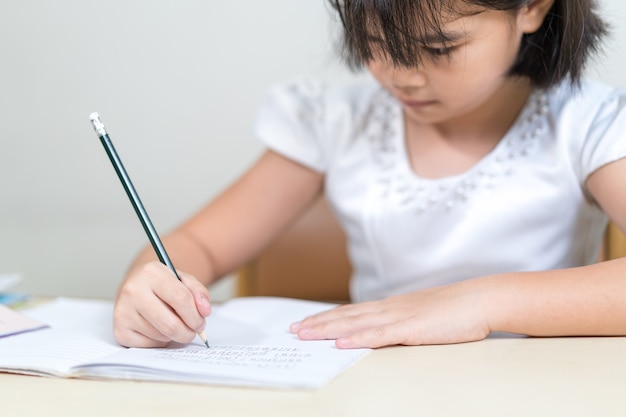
(379, 130)
(402, 189)
(310, 95)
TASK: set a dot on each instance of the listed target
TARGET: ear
(531, 17)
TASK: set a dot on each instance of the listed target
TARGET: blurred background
(177, 85)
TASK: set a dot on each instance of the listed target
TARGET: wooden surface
(495, 377)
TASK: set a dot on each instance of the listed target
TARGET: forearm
(588, 300)
(185, 252)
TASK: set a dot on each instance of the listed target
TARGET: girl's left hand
(449, 314)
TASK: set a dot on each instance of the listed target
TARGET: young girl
(474, 179)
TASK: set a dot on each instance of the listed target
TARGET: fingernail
(204, 301)
(305, 331)
(294, 327)
(342, 343)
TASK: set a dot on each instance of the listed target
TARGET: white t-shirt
(522, 207)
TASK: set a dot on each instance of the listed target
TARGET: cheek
(499, 55)
(378, 72)
(484, 62)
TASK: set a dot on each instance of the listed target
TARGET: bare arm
(252, 212)
(153, 309)
(588, 300)
(242, 220)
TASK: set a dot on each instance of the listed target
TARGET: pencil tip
(203, 338)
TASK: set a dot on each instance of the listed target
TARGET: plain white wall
(177, 84)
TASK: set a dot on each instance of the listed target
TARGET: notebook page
(305, 366)
(80, 330)
(51, 352)
(250, 345)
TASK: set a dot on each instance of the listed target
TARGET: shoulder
(586, 112)
(306, 119)
(589, 123)
(586, 101)
(323, 98)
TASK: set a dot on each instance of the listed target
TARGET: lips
(417, 103)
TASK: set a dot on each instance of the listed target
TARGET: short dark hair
(560, 48)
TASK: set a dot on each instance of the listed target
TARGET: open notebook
(249, 338)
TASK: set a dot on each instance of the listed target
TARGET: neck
(493, 117)
(449, 148)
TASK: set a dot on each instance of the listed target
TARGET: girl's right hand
(154, 308)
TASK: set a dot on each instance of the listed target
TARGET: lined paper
(249, 337)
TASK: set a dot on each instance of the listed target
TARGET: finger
(180, 315)
(200, 294)
(145, 328)
(334, 314)
(203, 304)
(342, 326)
(138, 332)
(374, 337)
(169, 324)
(143, 306)
(157, 312)
(136, 339)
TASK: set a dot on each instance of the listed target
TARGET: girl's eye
(438, 52)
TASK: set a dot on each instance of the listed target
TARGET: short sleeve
(605, 138)
(291, 122)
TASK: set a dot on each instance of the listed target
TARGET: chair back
(614, 245)
(309, 261)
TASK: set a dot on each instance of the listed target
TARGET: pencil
(153, 236)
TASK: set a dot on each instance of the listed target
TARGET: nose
(407, 79)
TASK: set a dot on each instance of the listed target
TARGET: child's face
(443, 88)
